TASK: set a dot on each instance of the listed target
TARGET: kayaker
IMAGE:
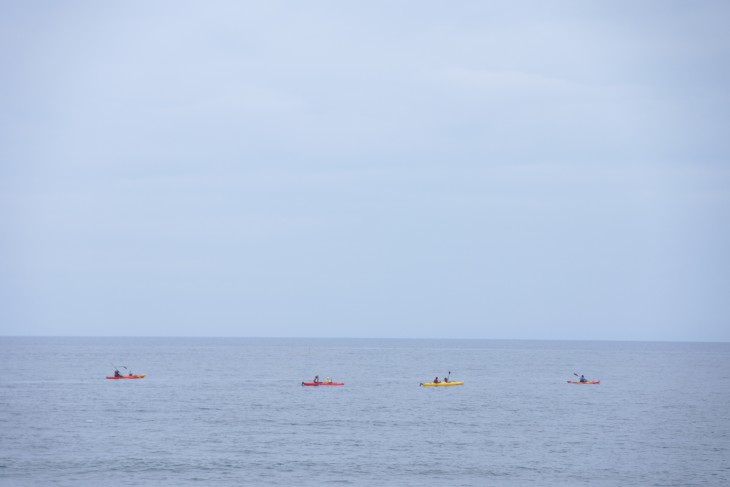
(316, 379)
(436, 380)
(583, 378)
(328, 380)
(446, 379)
(116, 373)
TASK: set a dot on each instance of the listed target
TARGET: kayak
(133, 376)
(587, 382)
(441, 384)
(323, 383)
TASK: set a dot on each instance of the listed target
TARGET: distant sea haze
(232, 411)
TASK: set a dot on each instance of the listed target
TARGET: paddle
(117, 368)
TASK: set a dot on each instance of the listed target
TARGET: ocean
(232, 411)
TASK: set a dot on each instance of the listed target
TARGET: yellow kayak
(433, 384)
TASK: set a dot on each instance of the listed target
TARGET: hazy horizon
(364, 338)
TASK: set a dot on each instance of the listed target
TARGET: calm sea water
(232, 412)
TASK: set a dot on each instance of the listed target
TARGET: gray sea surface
(232, 411)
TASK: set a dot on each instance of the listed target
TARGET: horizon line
(372, 338)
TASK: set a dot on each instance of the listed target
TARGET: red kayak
(130, 376)
(323, 383)
(586, 382)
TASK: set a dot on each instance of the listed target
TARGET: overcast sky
(425, 169)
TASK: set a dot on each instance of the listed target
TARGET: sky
(415, 169)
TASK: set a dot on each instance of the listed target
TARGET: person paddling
(328, 380)
(116, 373)
(436, 380)
(583, 378)
(316, 379)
